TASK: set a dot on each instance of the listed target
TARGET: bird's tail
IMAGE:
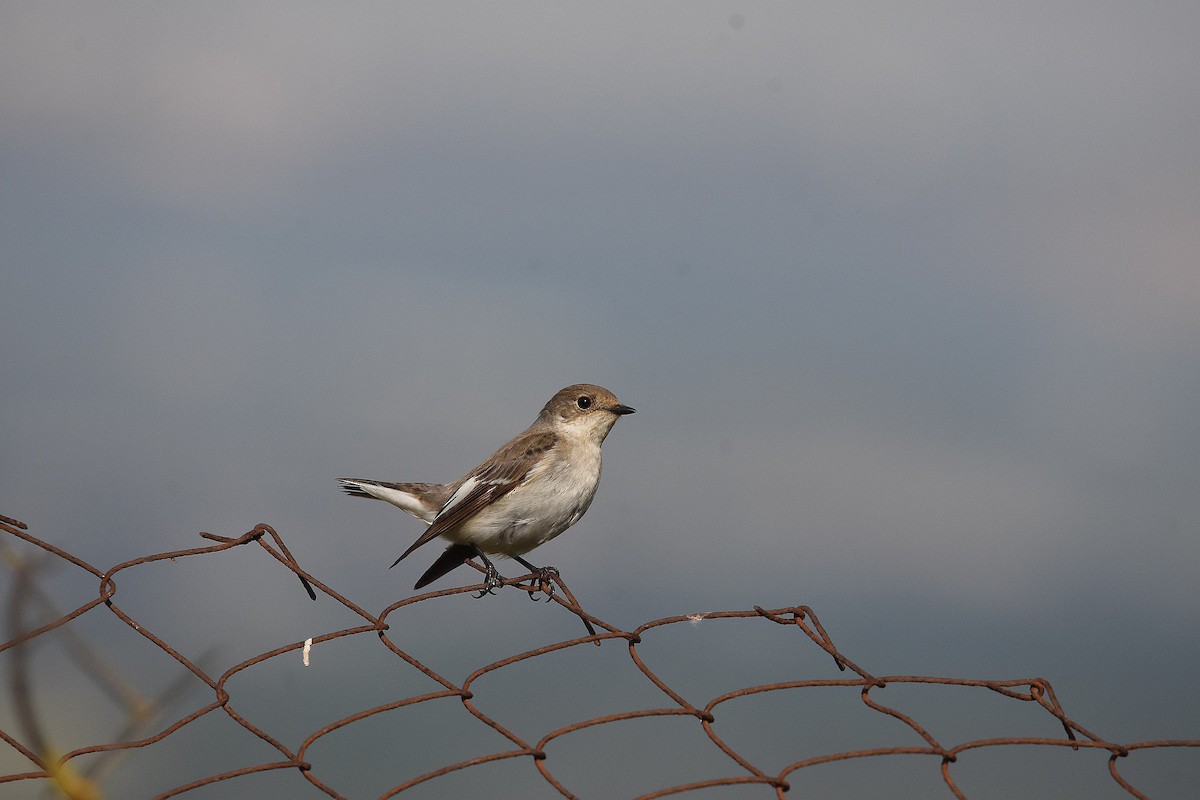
(422, 500)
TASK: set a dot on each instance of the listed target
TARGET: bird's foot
(492, 580)
(542, 581)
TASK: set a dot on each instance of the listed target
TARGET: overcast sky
(907, 297)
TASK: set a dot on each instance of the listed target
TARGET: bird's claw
(492, 580)
(542, 581)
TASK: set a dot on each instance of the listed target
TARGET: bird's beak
(620, 409)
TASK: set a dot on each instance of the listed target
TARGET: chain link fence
(34, 617)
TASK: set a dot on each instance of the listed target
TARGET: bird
(538, 484)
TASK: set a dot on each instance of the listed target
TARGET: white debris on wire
(695, 618)
(307, 649)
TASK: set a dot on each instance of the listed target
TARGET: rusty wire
(51, 769)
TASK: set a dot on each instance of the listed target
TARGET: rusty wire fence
(33, 617)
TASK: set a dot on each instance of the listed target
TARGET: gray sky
(907, 298)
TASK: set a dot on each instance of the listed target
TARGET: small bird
(533, 488)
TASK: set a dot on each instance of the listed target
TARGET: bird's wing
(453, 557)
(488, 482)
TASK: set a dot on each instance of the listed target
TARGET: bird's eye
(584, 402)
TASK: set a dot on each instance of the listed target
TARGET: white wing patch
(473, 482)
(463, 492)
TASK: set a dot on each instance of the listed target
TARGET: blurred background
(907, 299)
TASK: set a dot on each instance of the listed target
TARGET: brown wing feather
(495, 478)
(453, 557)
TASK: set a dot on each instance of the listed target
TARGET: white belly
(535, 512)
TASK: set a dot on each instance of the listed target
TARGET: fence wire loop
(32, 614)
